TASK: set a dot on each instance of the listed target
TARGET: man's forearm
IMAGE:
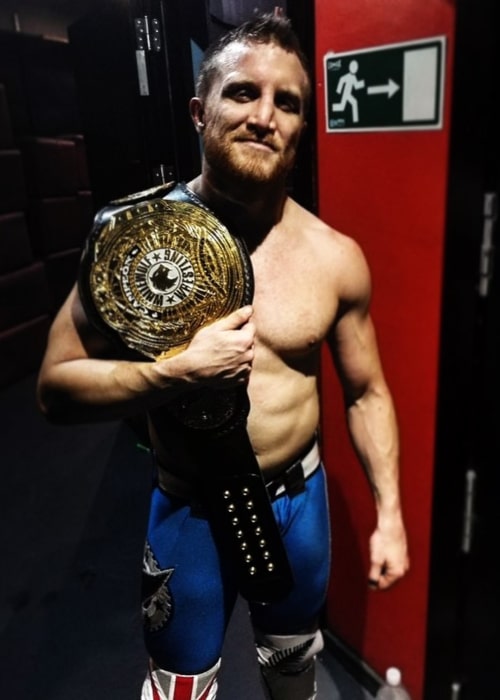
(373, 429)
(92, 390)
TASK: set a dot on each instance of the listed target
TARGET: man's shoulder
(336, 255)
(324, 234)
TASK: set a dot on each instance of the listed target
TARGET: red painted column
(386, 189)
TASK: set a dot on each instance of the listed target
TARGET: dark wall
(45, 200)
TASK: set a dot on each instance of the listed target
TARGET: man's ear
(196, 111)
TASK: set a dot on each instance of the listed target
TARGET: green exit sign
(392, 87)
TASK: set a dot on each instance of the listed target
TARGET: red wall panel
(388, 191)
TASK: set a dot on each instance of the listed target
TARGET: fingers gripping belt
(163, 685)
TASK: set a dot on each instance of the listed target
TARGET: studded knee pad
(164, 685)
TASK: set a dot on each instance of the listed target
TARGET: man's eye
(242, 95)
(239, 93)
(289, 105)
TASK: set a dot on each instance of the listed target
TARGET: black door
(134, 64)
(464, 607)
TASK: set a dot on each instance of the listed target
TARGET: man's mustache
(265, 140)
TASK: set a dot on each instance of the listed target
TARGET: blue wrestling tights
(190, 591)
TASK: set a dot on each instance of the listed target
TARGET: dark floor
(74, 503)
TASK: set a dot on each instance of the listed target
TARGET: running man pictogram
(346, 85)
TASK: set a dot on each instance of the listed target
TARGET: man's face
(253, 114)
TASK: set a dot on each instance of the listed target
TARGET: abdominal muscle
(283, 417)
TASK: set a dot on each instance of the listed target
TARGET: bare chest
(295, 300)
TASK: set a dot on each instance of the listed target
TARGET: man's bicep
(72, 336)
(354, 349)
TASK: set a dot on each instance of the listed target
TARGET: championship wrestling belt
(157, 267)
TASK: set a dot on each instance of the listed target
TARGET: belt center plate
(160, 270)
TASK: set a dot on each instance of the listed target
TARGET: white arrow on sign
(390, 88)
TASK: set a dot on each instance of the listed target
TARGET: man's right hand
(219, 354)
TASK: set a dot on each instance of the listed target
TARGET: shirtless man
(311, 284)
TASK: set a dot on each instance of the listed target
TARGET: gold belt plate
(160, 270)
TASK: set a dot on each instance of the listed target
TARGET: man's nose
(263, 114)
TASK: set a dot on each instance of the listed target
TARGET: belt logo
(162, 278)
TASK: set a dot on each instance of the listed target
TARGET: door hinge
(147, 33)
(147, 39)
(490, 208)
(162, 173)
(468, 519)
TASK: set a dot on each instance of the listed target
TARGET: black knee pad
(287, 664)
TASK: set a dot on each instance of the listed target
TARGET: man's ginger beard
(230, 161)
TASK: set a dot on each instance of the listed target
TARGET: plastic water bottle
(392, 689)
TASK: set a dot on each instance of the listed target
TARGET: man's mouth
(258, 144)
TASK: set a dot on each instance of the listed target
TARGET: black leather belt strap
(238, 506)
(237, 500)
(292, 480)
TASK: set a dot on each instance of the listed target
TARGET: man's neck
(250, 212)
